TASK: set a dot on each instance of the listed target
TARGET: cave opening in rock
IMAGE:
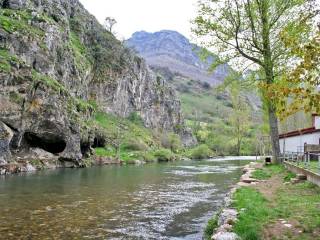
(85, 148)
(99, 142)
(5, 4)
(51, 143)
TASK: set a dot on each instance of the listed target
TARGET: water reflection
(156, 201)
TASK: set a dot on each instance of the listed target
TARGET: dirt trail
(280, 227)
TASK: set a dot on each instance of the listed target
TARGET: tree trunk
(268, 66)
(274, 132)
(239, 147)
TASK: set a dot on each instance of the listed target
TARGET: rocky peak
(173, 50)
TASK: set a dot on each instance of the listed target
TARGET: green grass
(288, 177)
(104, 152)
(207, 105)
(261, 174)
(314, 167)
(300, 202)
(6, 59)
(137, 142)
(292, 202)
(268, 171)
(80, 52)
(127, 130)
(253, 213)
(5, 65)
(127, 156)
(18, 21)
(84, 106)
(210, 228)
(49, 82)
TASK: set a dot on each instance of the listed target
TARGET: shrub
(148, 157)
(135, 118)
(201, 152)
(103, 152)
(171, 141)
(135, 145)
(163, 155)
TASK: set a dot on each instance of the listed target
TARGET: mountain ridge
(168, 48)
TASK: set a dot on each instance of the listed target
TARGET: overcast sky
(148, 15)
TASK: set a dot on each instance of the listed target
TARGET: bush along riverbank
(117, 141)
(269, 202)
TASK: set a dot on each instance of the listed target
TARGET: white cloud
(148, 15)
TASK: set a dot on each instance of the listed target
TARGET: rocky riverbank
(228, 215)
(43, 161)
(268, 203)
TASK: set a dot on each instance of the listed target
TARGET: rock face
(5, 138)
(56, 63)
(172, 50)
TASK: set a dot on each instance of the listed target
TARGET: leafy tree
(171, 141)
(246, 33)
(298, 90)
(240, 116)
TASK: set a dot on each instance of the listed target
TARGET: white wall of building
(292, 144)
(317, 122)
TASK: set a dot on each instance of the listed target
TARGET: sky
(147, 15)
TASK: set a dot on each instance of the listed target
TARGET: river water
(153, 201)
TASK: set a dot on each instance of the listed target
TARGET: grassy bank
(277, 209)
(128, 139)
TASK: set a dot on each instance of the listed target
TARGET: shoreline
(227, 215)
(268, 202)
(40, 164)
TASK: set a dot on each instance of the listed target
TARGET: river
(152, 201)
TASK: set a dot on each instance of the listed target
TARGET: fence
(307, 160)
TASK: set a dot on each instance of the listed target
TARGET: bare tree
(109, 23)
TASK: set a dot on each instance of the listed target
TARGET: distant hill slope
(173, 50)
(207, 110)
(172, 56)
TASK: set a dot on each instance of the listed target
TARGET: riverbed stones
(28, 168)
(246, 178)
(2, 171)
(225, 236)
(227, 216)
(106, 161)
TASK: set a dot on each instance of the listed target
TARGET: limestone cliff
(56, 64)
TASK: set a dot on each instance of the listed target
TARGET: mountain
(207, 109)
(58, 66)
(172, 50)
(175, 59)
